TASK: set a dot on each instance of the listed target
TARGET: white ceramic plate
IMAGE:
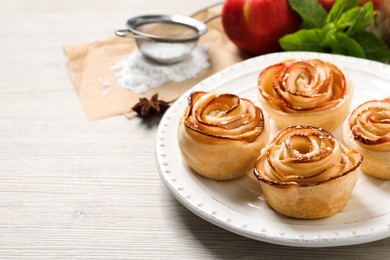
(238, 205)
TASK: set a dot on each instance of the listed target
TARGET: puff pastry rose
(305, 92)
(305, 172)
(221, 135)
(367, 131)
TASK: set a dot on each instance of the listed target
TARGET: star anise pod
(149, 108)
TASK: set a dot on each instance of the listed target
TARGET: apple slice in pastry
(367, 131)
(221, 135)
(304, 172)
(305, 92)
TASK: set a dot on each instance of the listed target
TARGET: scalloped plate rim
(165, 170)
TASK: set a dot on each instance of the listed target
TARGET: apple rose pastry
(305, 92)
(221, 135)
(367, 131)
(306, 173)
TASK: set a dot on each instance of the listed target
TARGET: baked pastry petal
(221, 135)
(305, 92)
(305, 172)
(367, 131)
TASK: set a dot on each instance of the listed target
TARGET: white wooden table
(70, 188)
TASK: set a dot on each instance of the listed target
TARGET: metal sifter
(165, 39)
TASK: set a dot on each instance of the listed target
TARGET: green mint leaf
(341, 43)
(327, 33)
(312, 13)
(341, 32)
(356, 19)
(339, 8)
(303, 40)
(373, 47)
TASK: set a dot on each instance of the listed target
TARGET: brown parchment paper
(89, 68)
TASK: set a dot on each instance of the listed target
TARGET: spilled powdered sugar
(138, 74)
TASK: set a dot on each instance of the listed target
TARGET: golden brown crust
(367, 131)
(221, 135)
(306, 173)
(307, 92)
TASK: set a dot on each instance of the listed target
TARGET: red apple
(327, 4)
(255, 26)
(377, 3)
